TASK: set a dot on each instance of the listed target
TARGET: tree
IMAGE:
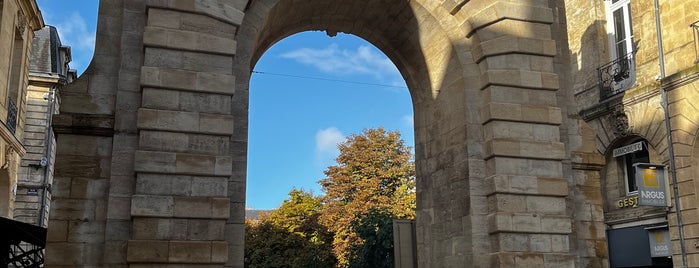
(290, 236)
(376, 231)
(374, 171)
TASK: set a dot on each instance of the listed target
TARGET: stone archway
(394, 27)
(152, 139)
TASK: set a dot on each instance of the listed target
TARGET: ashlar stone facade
(18, 21)
(511, 141)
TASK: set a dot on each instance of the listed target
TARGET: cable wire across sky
(327, 79)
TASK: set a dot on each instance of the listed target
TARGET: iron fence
(617, 76)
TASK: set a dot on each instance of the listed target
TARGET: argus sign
(659, 242)
(651, 185)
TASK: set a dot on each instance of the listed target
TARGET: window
(640, 156)
(16, 82)
(619, 28)
(619, 74)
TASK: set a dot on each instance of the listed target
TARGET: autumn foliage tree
(374, 172)
(290, 236)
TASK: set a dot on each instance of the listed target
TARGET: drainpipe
(668, 129)
(47, 155)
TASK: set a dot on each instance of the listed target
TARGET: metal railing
(21, 244)
(695, 33)
(11, 115)
(617, 76)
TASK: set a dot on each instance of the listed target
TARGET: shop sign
(629, 201)
(634, 147)
(32, 191)
(650, 180)
(659, 242)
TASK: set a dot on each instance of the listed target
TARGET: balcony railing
(695, 33)
(617, 76)
(21, 244)
(11, 115)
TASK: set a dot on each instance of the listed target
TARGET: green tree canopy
(375, 228)
(290, 236)
(374, 171)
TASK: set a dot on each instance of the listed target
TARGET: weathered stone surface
(512, 139)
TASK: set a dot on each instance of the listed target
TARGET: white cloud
(327, 141)
(409, 120)
(74, 32)
(332, 59)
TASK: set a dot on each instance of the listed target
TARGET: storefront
(636, 206)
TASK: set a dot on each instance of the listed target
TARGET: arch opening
(405, 31)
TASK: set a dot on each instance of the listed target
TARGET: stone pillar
(182, 162)
(528, 223)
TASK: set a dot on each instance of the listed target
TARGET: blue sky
(308, 93)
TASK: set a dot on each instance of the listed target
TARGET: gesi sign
(651, 185)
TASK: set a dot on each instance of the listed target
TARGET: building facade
(18, 21)
(531, 118)
(48, 72)
(635, 77)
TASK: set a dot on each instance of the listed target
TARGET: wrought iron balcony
(617, 76)
(22, 244)
(11, 115)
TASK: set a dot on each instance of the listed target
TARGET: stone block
(528, 223)
(559, 260)
(73, 209)
(148, 251)
(216, 124)
(168, 78)
(147, 228)
(508, 165)
(187, 40)
(161, 99)
(552, 186)
(168, 120)
(117, 230)
(528, 149)
(156, 162)
(192, 207)
(215, 83)
(77, 166)
(511, 242)
(501, 259)
(224, 166)
(209, 186)
(57, 231)
(219, 251)
(88, 188)
(68, 254)
(220, 10)
(529, 260)
(560, 243)
(189, 252)
(205, 229)
(116, 252)
(201, 207)
(86, 232)
(195, 164)
(152, 206)
(163, 141)
(507, 203)
(540, 242)
(499, 222)
(546, 204)
(521, 131)
(556, 224)
(207, 144)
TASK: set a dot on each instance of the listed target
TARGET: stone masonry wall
(152, 139)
